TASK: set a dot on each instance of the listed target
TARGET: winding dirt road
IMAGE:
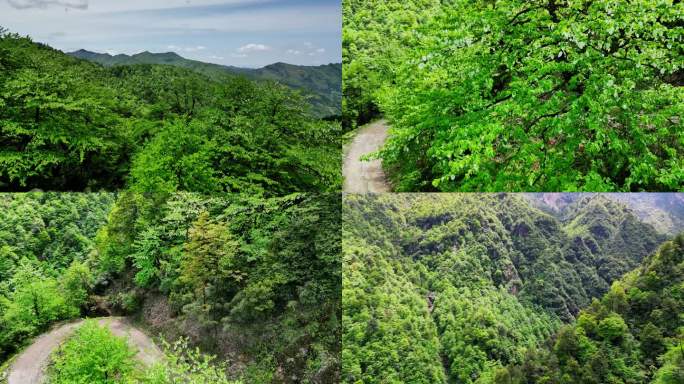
(365, 176)
(29, 367)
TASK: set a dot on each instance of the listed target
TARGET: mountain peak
(85, 54)
(322, 82)
(161, 54)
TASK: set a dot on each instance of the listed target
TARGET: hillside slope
(665, 211)
(633, 334)
(71, 125)
(463, 284)
(254, 281)
(323, 83)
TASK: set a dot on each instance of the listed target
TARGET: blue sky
(244, 33)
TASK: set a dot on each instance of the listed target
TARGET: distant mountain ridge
(323, 83)
(664, 211)
(146, 57)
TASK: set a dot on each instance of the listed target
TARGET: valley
(481, 288)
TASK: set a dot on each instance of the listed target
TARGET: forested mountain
(168, 58)
(453, 287)
(67, 124)
(664, 211)
(254, 281)
(519, 95)
(322, 84)
(633, 334)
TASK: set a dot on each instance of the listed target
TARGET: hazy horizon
(183, 56)
(241, 33)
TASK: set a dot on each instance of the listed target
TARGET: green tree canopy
(518, 95)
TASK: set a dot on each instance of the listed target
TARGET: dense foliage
(45, 240)
(252, 280)
(67, 124)
(376, 37)
(453, 287)
(94, 355)
(185, 365)
(550, 95)
(633, 334)
(241, 276)
(321, 84)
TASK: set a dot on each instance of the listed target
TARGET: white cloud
(100, 23)
(24, 4)
(117, 26)
(310, 49)
(253, 48)
(186, 49)
(124, 5)
(316, 51)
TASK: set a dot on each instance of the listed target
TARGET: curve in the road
(366, 176)
(29, 367)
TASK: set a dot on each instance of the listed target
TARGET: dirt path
(365, 176)
(29, 366)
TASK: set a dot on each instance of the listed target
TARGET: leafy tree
(672, 370)
(35, 301)
(93, 355)
(612, 327)
(522, 95)
(77, 282)
(147, 257)
(186, 365)
(208, 266)
(629, 346)
(70, 125)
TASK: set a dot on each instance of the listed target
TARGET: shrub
(93, 356)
